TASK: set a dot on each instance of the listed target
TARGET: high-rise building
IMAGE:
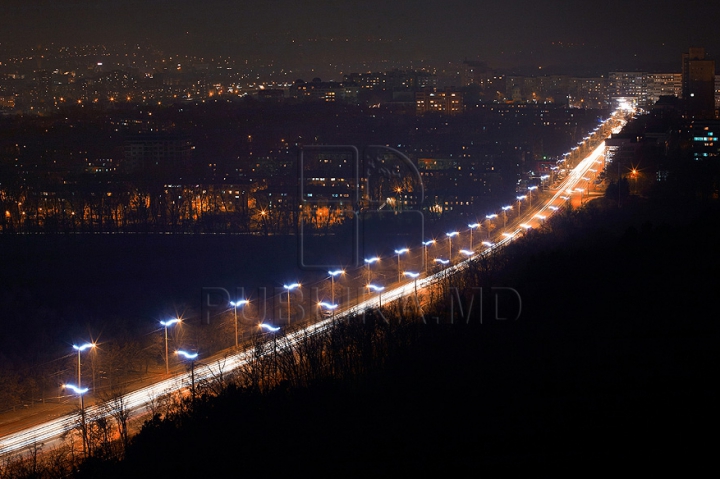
(630, 85)
(698, 84)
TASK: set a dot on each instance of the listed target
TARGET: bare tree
(114, 405)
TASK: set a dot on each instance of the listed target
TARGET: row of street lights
(332, 306)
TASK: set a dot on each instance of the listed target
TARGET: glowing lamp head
(83, 347)
(169, 322)
(186, 354)
(75, 389)
(269, 327)
(291, 286)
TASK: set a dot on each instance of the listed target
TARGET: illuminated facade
(447, 102)
(663, 84)
(629, 85)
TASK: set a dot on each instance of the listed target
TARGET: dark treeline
(76, 171)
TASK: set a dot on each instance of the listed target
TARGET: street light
(472, 227)
(489, 218)
(191, 357)
(290, 287)
(442, 261)
(466, 252)
(331, 306)
(519, 199)
(398, 252)
(414, 276)
(80, 349)
(531, 189)
(77, 390)
(487, 243)
(326, 305)
(166, 324)
(368, 262)
(272, 329)
(332, 282)
(80, 392)
(378, 289)
(505, 210)
(425, 258)
(235, 304)
(450, 237)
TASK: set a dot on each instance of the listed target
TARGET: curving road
(51, 432)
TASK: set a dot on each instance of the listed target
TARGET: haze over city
(583, 35)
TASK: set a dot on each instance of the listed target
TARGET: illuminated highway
(50, 433)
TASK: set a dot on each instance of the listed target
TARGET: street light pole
(191, 357)
(415, 277)
(472, 227)
(166, 324)
(80, 349)
(505, 210)
(80, 392)
(368, 262)
(530, 190)
(288, 288)
(379, 290)
(332, 284)
(449, 237)
(273, 330)
(489, 218)
(398, 252)
(235, 304)
(425, 258)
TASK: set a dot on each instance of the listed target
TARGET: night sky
(613, 33)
